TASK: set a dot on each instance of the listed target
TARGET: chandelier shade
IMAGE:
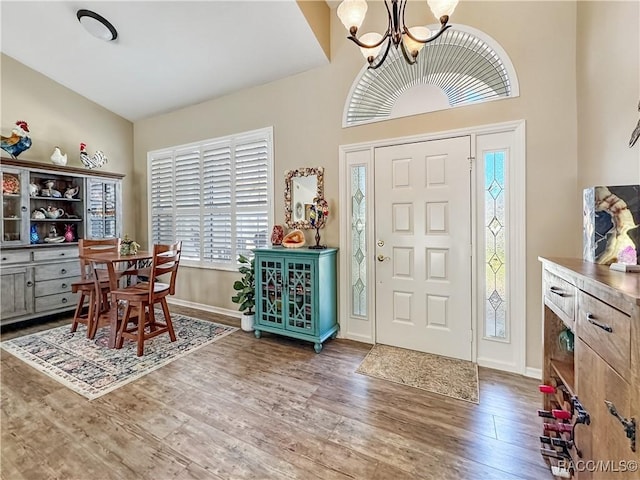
(409, 40)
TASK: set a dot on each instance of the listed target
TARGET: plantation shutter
(187, 202)
(251, 194)
(216, 184)
(161, 196)
(214, 196)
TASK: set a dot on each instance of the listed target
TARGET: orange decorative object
(10, 183)
(294, 239)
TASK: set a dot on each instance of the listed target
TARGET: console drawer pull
(557, 291)
(603, 326)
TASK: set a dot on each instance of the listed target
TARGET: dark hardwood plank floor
(243, 408)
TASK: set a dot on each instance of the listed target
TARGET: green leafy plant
(246, 286)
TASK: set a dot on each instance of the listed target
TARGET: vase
(68, 234)
(277, 235)
(33, 235)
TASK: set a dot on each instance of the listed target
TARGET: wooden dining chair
(87, 287)
(141, 299)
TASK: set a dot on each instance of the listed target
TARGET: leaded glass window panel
(495, 258)
(358, 241)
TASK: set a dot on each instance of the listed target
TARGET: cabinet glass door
(102, 207)
(271, 290)
(300, 296)
(14, 206)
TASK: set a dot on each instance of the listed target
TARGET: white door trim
(363, 328)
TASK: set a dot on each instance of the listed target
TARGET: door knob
(382, 258)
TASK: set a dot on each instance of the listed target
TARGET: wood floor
(243, 408)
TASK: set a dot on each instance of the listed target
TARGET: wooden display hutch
(39, 264)
(598, 382)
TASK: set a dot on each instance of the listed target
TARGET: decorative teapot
(71, 192)
(53, 212)
(38, 214)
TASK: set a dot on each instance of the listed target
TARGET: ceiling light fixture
(97, 25)
(410, 40)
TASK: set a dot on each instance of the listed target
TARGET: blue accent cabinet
(296, 293)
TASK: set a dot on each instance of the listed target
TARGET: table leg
(113, 322)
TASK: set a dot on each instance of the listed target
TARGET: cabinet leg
(257, 333)
(335, 334)
(317, 347)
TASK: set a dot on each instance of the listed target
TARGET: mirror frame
(289, 175)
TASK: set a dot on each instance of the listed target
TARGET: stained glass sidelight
(358, 241)
(495, 308)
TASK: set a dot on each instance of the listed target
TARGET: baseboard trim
(533, 373)
(504, 366)
(206, 308)
(357, 338)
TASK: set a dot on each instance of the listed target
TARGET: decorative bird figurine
(636, 132)
(98, 159)
(19, 140)
(58, 158)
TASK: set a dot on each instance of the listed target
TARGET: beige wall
(306, 112)
(608, 92)
(58, 116)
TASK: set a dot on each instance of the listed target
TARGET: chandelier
(410, 40)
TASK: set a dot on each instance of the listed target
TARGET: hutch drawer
(55, 254)
(50, 287)
(58, 301)
(58, 270)
(15, 257)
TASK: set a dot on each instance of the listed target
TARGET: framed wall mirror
(302, 186)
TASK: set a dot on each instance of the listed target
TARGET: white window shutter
(161, 195)
(214, 196)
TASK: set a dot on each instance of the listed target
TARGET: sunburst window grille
(459, 68)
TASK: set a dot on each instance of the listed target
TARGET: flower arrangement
(318, 218)
(128, 246)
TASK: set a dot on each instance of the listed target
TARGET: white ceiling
(168, 54)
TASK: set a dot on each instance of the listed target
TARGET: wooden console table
(599, 381)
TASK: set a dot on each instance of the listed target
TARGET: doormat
(91, 368)
(442, 375)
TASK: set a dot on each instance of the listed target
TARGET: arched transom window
(463, 66)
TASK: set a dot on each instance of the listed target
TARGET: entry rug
(442, 375)
(91, 369)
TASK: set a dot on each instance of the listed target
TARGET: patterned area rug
(91, 369)
(442, 375)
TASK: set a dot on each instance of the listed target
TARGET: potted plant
(246, 292)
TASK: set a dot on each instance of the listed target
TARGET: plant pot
(247, 322)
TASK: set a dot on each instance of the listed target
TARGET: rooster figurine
(98, 159)
(58, 158)
(19, 140)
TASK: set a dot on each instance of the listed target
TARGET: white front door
(423, 246)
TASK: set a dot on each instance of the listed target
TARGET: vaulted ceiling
(168, 54)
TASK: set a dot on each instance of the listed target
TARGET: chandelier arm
(403, 6)
(430, 39)
(384, 57)
(355, 40)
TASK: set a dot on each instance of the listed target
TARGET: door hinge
(471, 159)
(471, 336)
